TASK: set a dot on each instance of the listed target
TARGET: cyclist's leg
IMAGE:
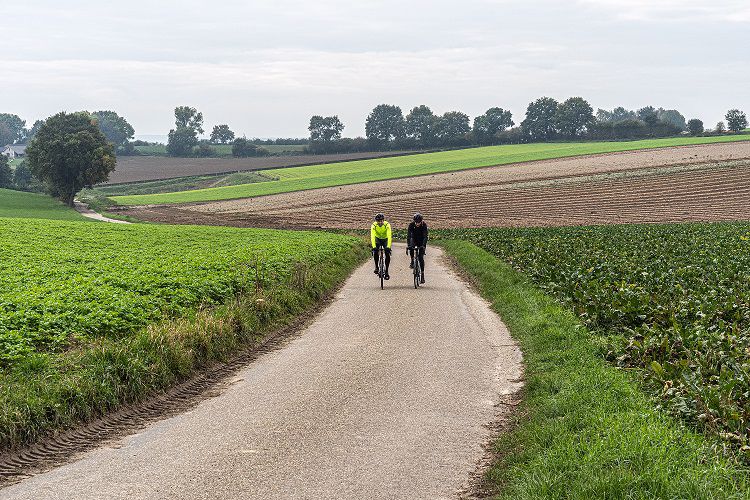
(387, 258)
(421, 258)
(375, 254)
(411, 254)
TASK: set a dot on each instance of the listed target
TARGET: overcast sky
(264, 67)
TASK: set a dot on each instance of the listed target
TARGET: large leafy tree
(184, 137)
(115, 128)
(673, 117)
(492, 122)
(12, 129)
(618, 114)
(69, 153)
(30, 133)
(736, 120)
(385, 126)
(222, 134)
(695, 126)
(452, 129)
(420, 126)
(574, 116)
(325, 128)
(539, 124)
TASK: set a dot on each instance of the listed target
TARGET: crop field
(183, 183)
(66, 283)
(702, 183)
(149, 168)
(673, 300)
(19, 204)
(353, 172)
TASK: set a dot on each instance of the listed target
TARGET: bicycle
(417, 265)
(381, 267)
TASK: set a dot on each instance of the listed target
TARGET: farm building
(13, 152)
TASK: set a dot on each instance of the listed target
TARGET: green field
(585, 429)
(353, 172)
(96, 315)
(180, 184)
(670, 300)
(32, 205)
(224, 150)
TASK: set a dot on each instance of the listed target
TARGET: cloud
(675, 10)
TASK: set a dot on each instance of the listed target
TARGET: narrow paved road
(386, 395)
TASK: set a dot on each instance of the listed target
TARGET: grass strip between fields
(379, 169)
(44, 394)
(585, 429)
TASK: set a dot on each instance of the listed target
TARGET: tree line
(386, 128)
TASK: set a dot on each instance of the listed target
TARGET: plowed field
(699, 183)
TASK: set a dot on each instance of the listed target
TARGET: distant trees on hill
(736, 120)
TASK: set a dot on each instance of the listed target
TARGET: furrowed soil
(149, 168)
(693, 183)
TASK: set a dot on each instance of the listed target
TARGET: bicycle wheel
(382, 269)
(416, 273)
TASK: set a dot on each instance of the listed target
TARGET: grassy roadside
(586, 429)
(43, 394)
(378, 169)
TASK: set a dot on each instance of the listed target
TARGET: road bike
(381, 266)
(417, 265)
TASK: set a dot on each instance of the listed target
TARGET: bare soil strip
(696, 183)
(388, 394)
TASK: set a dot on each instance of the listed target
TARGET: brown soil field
(151, 168)
(700, 183)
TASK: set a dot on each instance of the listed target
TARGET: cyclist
(417, 238)
(381, 236)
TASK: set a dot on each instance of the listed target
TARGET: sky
(264, 67)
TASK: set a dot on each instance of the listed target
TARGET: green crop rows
(67, 283)
(671, 299)
(353, 172)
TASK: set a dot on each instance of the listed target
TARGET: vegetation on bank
(337, 174)
(93, 316)
(671, 300)
(584, 428)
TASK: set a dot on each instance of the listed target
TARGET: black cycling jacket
(417, 236)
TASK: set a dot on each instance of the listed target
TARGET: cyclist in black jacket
(417, 238)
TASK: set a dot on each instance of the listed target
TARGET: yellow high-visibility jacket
(381, 232)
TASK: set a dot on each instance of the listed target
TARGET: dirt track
(386, 395)
(697, 183)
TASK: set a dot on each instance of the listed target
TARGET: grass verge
(585, 429)
(20, 204)
(42, 394)
(377, 169)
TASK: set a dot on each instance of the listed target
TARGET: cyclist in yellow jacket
(381, 236)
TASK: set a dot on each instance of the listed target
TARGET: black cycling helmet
(379, 217)
(417, 217)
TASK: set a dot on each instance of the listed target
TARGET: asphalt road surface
(387, 394)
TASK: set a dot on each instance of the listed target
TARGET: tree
(325, 128)
(452, 129)
(419, 126)
(242, 148)
(69, 153)
(184, 137)
(736, 120)
(384, 126)
(574, 116)
(222, 134)
(539, 123)
(6, 174)
(22, 177)
(12, 129)
(648, 115)
(115, 128)
(616, 115)
(672, 116)
(185, 116)
(490, 124)
(695, 126)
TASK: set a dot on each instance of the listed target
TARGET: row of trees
(546, 119)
